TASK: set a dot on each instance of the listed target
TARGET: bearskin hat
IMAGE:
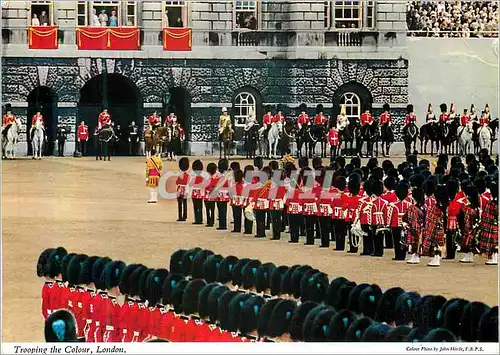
(439, 335)
(41, 265)
(441, 194)
(191, 295)
(112, 273)
(452, 188)
(177, 295)
(135, 276)
(75, 267)
(353, 185)
(8, 108)
(276, 277)
(471, 316)
(352, 303)
(494, 189)
(417, 180)
(171, 109)
(223, 306)
(313, 286)
(265, 316)
(376, 332)
(249, 314)
(176, 261)
(203, 299)
(488, 326)
(386, 107)
(235, 307)
(223, 165)
(85, 277)
(357, 329)
(302, 107)
(60, 327)
(187, 261)
(297, 277)
(198, 261)
(168, 286)
(184, 164)
(319, 109)
(286, 281)
(402, 190)
(443, 108)
(54, 262)
(211, 168)
(430, 313)
(142, 287)
(377, 188)
(267, 108)
(308, 324)
(281, 318)
(237, 273)
(343, 293)
(97, 271)
(332, 290)
(339, 324)
(409, 109)
(211, 266)
(320, 325)
(197, 165)
(368, 300)
(417, 334)
(398, 334)
(154, 285)
(387, 305)
(429, 187)
(124, 284)
(386, 165)
(340, 183)
(213, 302)
(225, 271)
(263, 278)
(298, 318)
(452, 314)
(249, 274)
(64, 265)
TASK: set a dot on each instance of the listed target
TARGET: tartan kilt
(468, 231)
(488, 235)
(433, 234)
(415, 218)
(411, 238)
(152, 181)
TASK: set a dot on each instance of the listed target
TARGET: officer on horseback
(104, 119)
(154, 120)
(410, 135)
(225, 132)
(171, 118)
(279, 117)
(37, 118)
(303, 121)
(385, 122)
(267, 120)
(7, 120)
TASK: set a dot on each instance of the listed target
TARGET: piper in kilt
(469, 223)
(413, 220)
(433, 237)
(488, 227)
(153, 174)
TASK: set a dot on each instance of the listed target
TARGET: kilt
(488, 227)
(414, 218)
(152, 181)
(433, 233)
(468, 232)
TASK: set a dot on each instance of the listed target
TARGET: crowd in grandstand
(453, 18)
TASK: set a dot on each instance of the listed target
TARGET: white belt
(110, 327)
(89, 321)
(97, 323)
(136, 334)
(124, 331)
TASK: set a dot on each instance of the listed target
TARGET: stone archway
(359, 90)
(43, 99)
(120, 96)
(178, 99)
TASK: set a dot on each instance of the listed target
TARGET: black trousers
(182, 208)
(399, 249)
(450, 245)
(339, 228)
(333, 152)
(302, 225)
(389, 243)
(133, 148)
(378, 241)
(352, 248)
(237, 210)
(317, 229)
(325, 227)
(284, 220)
(268, 220)
(210, 209)
(310, 223)
(367, 240)
(198, 211)
(260, 219)
(248, 226)
(295, 221)
(82, 146)
(60, 147)
(276, 224)
(222, 211)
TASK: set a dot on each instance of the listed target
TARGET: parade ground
(100, 208)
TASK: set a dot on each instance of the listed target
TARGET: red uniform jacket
(170, 118)
(260, 197)
(303, 119)
(276, 198)
(385, 118)
(95, 331)
(352, 203)
(430, 201)
(484, 198)
(83, 132)
(453, 211)
(154, 120)
(267, 119)
(89, 315)
(82, 309)
(8, 119)
(154, 321)
(37, 117)
(389, 197)
(279, 118)
(484, 121)
(308, 200)
(333, 137)
(396, 211)
(464, 120)
(209, 196)
(237, 198)
(364, 209)
(411, 117)
(129, 313)
(378, 212)
(58, 296)
(324, 202)
(293, 202)
(320, 119)
(104, 119)
(366, 118)
(222, 186)
(182, 182)
(142, 323)
(196, 183)
(340, 203)
(110, 319)
(444, 117)
(47, 290)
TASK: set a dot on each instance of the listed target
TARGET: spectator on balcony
(103, 18)
(178, 23)
(113, 20)
(165, 20)
(35, 21)
(95, 19)
(44, 19)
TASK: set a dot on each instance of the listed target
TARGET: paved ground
(100, 208)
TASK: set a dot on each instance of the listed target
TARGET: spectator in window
(166, 19)
(95, 19)
(113, 20)
(103, 18)
(44, 19)
(179, 23)
(35, 21)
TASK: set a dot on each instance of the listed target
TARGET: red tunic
(165, 324)
(308, 200)
(366, 118)
(389, 197)
(260, 198)
(276, 198)
(333, 137)
(47, 290)
(88, 303)
(453, 211)
(182, 182)
(110, 320)
(484, 198)
(154, 120)
(429, 202)
(293, 202)
(484, 121)
(95, 314)
(352, 204)
(267, 119)
(142, 323)
(83, 132)
(128, 325)
(340, 204)
(222, 187)
(364, 209)
(237, 198)
(324, 202)
(279, 118)
(154, 321)
(396, 211)
(58, 296)
(197, 187)
(385, 118)
(444, 117)
(464, 120)
(104, 119)
(170, 118)
(378, 212)
(303, 119)
(409, 118)
(210, 195)
(8, 119)
(35, 118)
(320, 119)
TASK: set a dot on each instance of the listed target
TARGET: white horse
(273, 137)
(485, 137)
(38, 140)
(465, 138)
(9, 145)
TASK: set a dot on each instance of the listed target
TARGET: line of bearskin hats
(471, 317)
(405, 306)
(187, 260)
(276, 278)
(198, 261)
(211, 267)
(223, 308)
(263, 278)
(332, 289)
(176, 261)
(86, 271)
(203, 300)
(376, 332)
(418, 333)
(125, 278)
(112, 273)
(41, 265)
(313, 286)
(320, 324)
(368, 300)
(249, 314)
(488, 326)
(60, 326)
(341, 299)
(339, 325)
(143, 279)
(352, 303)
(177, 295)
(249, 274)
(168, 286)
(286, 287)
(453, 314)
(190, 296)
(308, 323)
(281, 317)
(54, 262)
(237, 272)
(74, 269)
(297, 278)
(135, 276)
(264, 316)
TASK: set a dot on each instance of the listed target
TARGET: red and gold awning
(115, 38)
(43, 37)
(177, 39)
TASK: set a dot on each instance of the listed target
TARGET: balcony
(351, 38)
(264, 38)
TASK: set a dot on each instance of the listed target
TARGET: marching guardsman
(267, 120)
(303, 119)
(454, 210)
(364, 214)
(75, 296)
(488, 227)
(320, 118)
(8, 118)
(260, 200)
(465, 120)
(433, 235)
(294, 208)
(390, 197)
(237, 200)
(104, 119)
(94, 331)
(37, 117)
(469, 224)
(154, 120)
(277, 199)
(197, 191)
(247, 184)
(83, 137)
(210, 194)
(396, 212)
(339, 209)
(333, 141)
(378, 218)
(413, 220)
(431, 116)
(410, 116)
(351, 206)
(308, 202)
(154, 171)
(171, 117)
(279, 117)
(48, 287)
(182, 189)
(444, 117)
(223, 196)
(325, 213)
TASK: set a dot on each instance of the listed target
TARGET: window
(370, 14)
(245, 14)
(347, 14)
(106, 13)
(131, 13)
(244, 107)
(352, 105)
(175, 13)
(41, 13)
(82, 13)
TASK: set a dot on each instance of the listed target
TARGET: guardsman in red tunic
(325, 213)
(153, 293)
(351, 206)
(453, 113)
(334, 142)
(41, 271)
(433, 235)
(86, 289)
(390, 197)
(7, 119)
(36, 118)
(364, 213)
(397, 209)
(385, 117)
(110, 308)
(444, 117)
(303, 119)
(413, 220)
(154, 120)
(267, 119)
(320, 118)
(465, 120)
(385, 122)
(277, 197)
(279, 117)
(410, 116)
(104, 119)
(182, 189)
(488, 227)
(378, 220)
(238, 200)
(82, 134)
(294, 211)
(366, 118)
(223, 196)
(211, 193)
(171, 117)
(98, 296)
(74, 299)
(197, 188)
(454, 210)
(339, 204)
(308, 200)
(484, 121)
(260, 201)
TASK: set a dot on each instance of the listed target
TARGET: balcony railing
(263, 38)
(351, 38)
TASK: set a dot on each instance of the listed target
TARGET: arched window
(244, 106)
(352, 104)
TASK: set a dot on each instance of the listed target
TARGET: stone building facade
(299, 53)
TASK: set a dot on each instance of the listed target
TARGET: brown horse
(154, 139)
